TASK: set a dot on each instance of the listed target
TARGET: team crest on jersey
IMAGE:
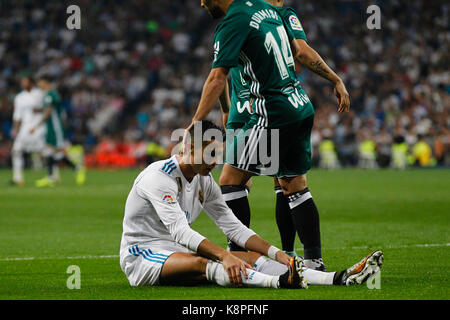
(169, 199)
(295, 23)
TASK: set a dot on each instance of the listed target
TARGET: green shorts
(54, 138)
(283, 152)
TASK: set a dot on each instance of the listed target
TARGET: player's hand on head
(342, 96)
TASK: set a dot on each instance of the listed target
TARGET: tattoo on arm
(317, 66)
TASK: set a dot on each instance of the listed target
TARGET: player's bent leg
(185, 269)
(52, 169)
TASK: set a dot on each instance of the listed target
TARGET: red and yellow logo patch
(169, 199)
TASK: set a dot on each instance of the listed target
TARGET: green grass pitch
(404, 213)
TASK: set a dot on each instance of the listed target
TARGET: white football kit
(159, 210)
(26, 106)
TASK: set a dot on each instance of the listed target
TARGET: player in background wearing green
(253, 36)
(238, 111)
(55, 152)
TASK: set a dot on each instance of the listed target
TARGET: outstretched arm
(309, 58)
(45, 117)
(212, 90)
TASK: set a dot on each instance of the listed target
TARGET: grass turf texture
(403, 213)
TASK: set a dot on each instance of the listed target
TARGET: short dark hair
(27, 76)
(205, 125)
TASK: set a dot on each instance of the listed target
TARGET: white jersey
(28, 109)
(162, 205)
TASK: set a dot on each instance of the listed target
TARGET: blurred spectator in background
(135, 72)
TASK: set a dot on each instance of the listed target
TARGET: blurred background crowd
(135, 72)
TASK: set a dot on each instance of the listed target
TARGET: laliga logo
(295, 23)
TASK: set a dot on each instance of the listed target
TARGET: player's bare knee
(200, 263)
(276, 183)
(293, 184)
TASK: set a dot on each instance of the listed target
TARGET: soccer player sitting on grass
(159, 247)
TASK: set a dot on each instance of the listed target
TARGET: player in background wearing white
(28, 107)
(158, 246)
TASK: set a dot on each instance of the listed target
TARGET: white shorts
(31, 143)
(142, 265)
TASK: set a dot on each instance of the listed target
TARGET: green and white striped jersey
(255, 38)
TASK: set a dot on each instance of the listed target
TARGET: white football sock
(17, 164)
(315, 277)
(215, 272)
(55, 173)
(269, 266)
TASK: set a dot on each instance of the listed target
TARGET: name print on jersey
(262, 15)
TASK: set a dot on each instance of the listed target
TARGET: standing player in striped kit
(256, 44)
(55, 138)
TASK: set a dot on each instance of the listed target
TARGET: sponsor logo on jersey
(241, 107)
(295, 23)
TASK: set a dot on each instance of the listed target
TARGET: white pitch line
(405, 246)
(61, 258)
(115, 256)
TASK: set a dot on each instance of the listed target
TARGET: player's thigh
(295, 151)
(17, 147)
(183, 269)
(232, 176)
(240, 161)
